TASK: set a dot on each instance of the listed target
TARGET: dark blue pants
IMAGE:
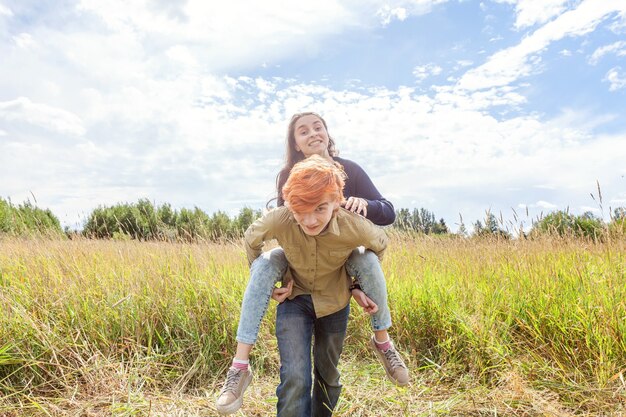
(297, 328)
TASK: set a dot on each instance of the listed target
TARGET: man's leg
(294, 331)
(330, 332)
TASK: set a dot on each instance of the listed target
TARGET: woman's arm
(379, 210)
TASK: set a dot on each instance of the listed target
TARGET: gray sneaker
(231, 397)
(396, 370)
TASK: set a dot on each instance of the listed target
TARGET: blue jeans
(364, 265)
(269, 268)
(296, 327)
(265, 272)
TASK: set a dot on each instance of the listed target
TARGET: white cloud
(401, 9)
(544, 205)
(238, 33)
(52, 118)
(619, 25)
(618, 48)
(463, 63)
(182, 55)
(565, 52)
(508, 65)
(5, 11)
(617, 78)
(387, 14)
(593, 210)
(580, 120)
(24, 40)
(421, 72)
(532, 12)
(541, 205)
(222, 35)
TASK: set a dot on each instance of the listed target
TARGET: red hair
(310, 181)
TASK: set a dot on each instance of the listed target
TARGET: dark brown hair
(292, 156)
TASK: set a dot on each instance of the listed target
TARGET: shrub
(27, 219)
(144, 221)
(561, 223)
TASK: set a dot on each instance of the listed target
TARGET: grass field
(493, 328)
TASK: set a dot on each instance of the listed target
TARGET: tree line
(26, 218)
(144, 220)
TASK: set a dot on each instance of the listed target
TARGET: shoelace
(394, 358)
(232, 380)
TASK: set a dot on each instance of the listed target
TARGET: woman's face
(311, 136)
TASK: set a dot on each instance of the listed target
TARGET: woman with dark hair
(306, 139)
(307, 135)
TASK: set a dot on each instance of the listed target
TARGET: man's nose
(308, 219)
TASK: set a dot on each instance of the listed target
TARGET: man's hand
(369, 306)
(281, 294)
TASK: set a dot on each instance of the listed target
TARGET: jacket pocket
(340, 253)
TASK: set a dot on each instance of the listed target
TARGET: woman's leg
(365, 267)
(265, 272)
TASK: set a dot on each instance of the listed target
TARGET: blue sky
(455, 106)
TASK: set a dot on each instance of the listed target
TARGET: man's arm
(374, 238)
(257, 234)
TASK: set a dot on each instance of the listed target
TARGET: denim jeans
(270, 267)
(265, 272)
(364, 265)
(299, 394)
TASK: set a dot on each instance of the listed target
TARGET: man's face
(315, 221)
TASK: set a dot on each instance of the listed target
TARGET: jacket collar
(333, 226)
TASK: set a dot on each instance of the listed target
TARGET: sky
(517, 107)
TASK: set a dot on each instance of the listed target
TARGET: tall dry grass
(104, 323)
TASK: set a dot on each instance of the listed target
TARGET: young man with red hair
(317, 236)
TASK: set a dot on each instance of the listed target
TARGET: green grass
(488, 327)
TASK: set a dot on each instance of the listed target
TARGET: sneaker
(231, 397)
(396, 370)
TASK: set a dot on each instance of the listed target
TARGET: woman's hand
(369, 306)
(281, 294)
(356, 205)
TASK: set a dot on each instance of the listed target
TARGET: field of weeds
(489, 327)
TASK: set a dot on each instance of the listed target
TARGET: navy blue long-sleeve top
(380, 211)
